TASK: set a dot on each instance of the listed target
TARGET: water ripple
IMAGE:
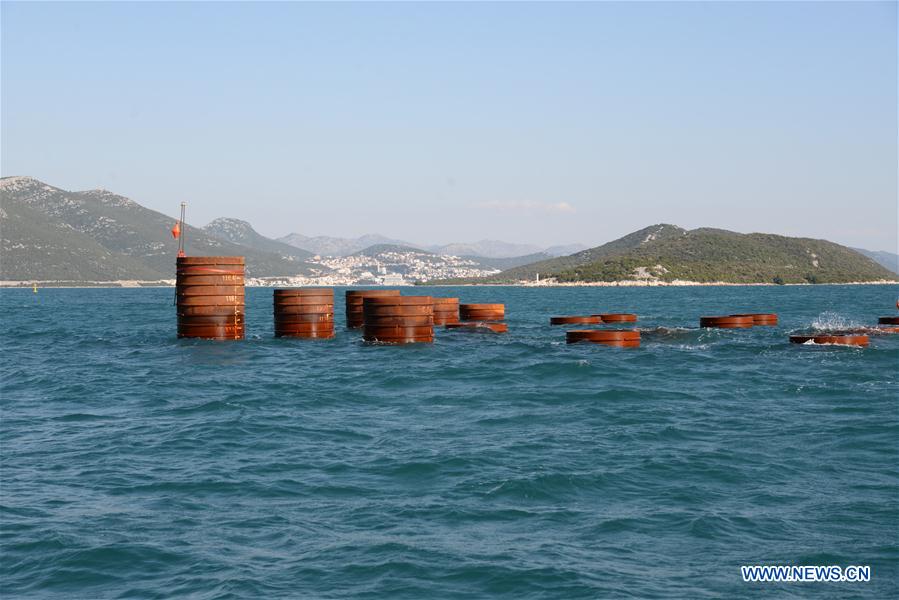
(136, 465)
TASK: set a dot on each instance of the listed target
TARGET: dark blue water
(135, 465)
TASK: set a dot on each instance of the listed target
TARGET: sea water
(137, 465)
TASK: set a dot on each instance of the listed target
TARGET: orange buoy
(727, 322)
(617, 317)
(585, 320)
(842, 339)
(760, 319)
(623, 338)
(479, 326)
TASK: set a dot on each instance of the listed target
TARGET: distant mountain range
(379, 249)
(565, 250)
(242, 233)
(50, 234)
(488, 249)
(667, 253)
(335, 246)
(883, 258)
(323, 245)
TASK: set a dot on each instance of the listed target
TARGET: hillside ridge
(51, 234)
(665, 253)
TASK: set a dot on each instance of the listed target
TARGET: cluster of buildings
(393, 268)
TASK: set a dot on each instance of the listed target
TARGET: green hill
(613, 248)
(35, 247)
(52, 234)
(668, 253)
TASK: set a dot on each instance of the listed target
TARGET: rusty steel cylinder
(482, 312)
(304, 312)
(209, 297)
(398, 319)
(354, 300)
(446, 311)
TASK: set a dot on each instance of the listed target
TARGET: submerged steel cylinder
(304, 312)
(482, 312)
(617, 317)
(760, 319)
(728, 322)
(446, 311)
(576, 320)
(398, 319)
(622, 338)
(354, 300)
(209, 297)
(479, 326)
(840, 339)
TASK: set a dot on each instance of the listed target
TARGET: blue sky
(542, 122)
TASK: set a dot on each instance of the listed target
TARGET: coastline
(170, 283)
(675, 283)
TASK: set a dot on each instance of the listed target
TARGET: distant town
(385, 268)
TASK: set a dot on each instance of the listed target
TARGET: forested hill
(667, 253)
(52, 234)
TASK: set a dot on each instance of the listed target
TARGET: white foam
(830, 321)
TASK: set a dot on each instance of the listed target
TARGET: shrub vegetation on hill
(667, 253)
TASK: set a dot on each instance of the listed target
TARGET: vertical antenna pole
(181, 237)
